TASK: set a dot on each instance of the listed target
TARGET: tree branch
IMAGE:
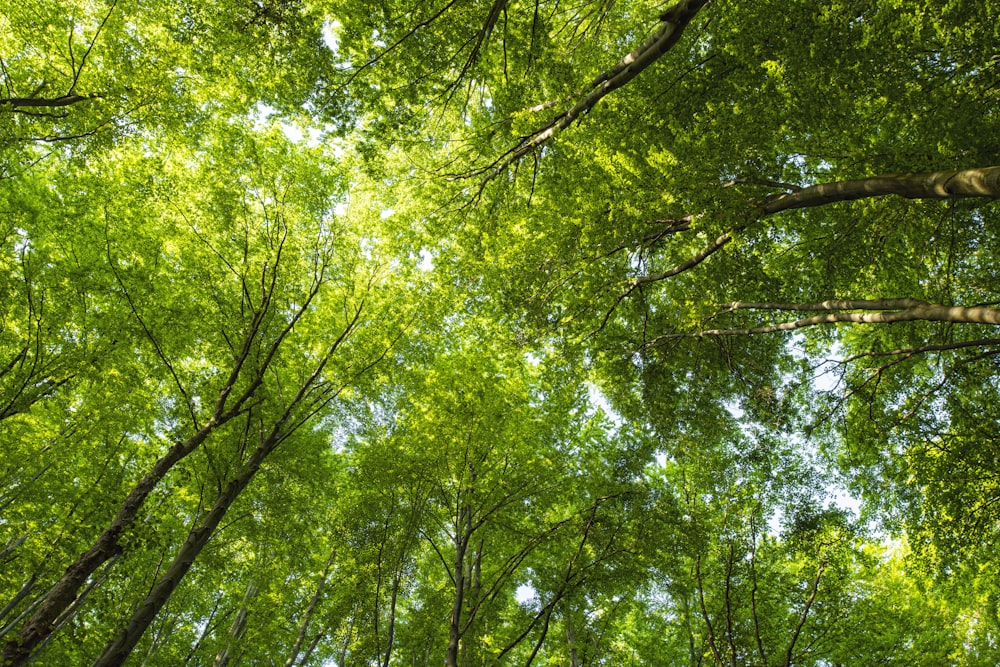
(672, 25)
(976, 182)
(879, 311)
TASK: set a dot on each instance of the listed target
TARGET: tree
(497, 332)
(267, 279)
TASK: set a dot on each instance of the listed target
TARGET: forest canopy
(499, 333)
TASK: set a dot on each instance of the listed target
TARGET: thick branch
(672, 25)
(46, 102)
(912, 310)
(977, 182)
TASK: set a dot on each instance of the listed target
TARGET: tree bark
(307, 616)
(62, 595)
(41, 624)
(976, 182)
(880, 311)
(463, 534)
(45, 102)
(119, 649)
(672, 24)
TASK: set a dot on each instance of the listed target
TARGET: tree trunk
(462, 535)
(307, 616)
(119, 649)
(64, 592)
(40, 625)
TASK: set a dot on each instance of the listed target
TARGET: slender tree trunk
(206, 629)
(462, 535)
(391, 630)
(75, 607)
(307, 616)
(570, 637)
(21, 594)
(62, 595)
(119, 649)
(237, 629)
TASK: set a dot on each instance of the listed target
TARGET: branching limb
(879, 311)
(977, 182)
(814, 590)
(704, 610)
(70, 97)
(672, 25)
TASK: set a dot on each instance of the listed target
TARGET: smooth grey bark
(874, 311)
(976, 182)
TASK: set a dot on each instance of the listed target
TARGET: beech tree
(494, 332)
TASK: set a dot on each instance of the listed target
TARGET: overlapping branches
(954, 184)
(17, 104)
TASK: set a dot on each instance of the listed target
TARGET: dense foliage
(492, 332)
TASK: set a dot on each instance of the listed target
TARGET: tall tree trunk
(62, 595)
(21, 594)
(462, 534)
(307, 616)
(119, 649)
(237, 629)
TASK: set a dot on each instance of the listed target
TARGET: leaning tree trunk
(227, 407)
(121, 647)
